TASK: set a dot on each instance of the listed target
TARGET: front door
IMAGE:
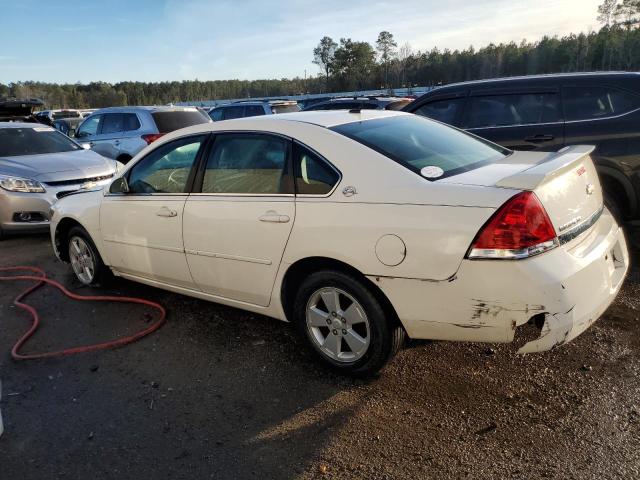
(236, 228)
(142, 229)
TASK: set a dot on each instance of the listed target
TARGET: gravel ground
(221, 393)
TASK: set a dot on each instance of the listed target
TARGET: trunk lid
(566, 182)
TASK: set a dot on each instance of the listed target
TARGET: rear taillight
(151, 137)
(520, 228)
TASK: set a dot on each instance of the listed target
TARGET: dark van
(548, 112)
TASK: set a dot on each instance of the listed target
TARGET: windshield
(418, 143)
(34, 140)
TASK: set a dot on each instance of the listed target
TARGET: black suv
(548, 112)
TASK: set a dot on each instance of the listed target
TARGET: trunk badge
(590, 188)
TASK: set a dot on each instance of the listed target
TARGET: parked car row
(361, 225)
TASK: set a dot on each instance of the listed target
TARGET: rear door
(526, 120)
(237, 226)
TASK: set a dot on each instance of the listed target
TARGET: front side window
(36, 140)
(167, 168)
(112, 123)
(313, 175)
(416, 142)
(89, 127)
(445, 111)
(246, 164)
(518, 109)
(587, 103)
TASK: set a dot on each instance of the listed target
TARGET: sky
(160, 40)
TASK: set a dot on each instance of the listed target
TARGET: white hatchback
(360, 227)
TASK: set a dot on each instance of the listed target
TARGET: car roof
(548, 77)
(23, 125)
(149, 108)
(321, 118)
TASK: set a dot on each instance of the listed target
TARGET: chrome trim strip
(200, 253)
(576, 231)
(242, 195)
(111, 239)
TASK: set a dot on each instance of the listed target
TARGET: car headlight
(17, 184)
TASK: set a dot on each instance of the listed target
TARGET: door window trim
(196, 187)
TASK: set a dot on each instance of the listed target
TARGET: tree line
(348, 65)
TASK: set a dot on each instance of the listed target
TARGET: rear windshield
(416, 142)
(175, 119)
(35, 140)
(284, 108)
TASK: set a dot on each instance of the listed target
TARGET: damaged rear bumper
(570, 287)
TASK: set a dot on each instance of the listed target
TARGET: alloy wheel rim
(338, 325)
(82, 260)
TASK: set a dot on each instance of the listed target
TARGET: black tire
(613, 205)
(102, 274)
(386, 336)
(124, 159)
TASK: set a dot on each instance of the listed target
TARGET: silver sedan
(39, 165)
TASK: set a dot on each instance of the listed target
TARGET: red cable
(40, 277)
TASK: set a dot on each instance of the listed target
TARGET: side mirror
(119, 185)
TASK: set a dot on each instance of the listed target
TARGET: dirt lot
(220, 393)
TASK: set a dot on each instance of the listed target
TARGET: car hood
(56, 167)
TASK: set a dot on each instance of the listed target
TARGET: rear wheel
(345, 324)
(85, 260)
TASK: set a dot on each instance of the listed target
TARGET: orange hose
(40, 279)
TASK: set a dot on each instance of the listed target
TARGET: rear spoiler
(551, 166)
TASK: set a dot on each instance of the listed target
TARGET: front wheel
(345, 324)
(85, 259)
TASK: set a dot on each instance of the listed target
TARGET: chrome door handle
(274, 217)
(166, 212)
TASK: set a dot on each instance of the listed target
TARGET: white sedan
(361, 228)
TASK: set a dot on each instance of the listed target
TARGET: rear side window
(585, 103)
(313, 175)
(445, 111)
(502, 110)
(416, 142)
(175, 119)
(246, 163)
